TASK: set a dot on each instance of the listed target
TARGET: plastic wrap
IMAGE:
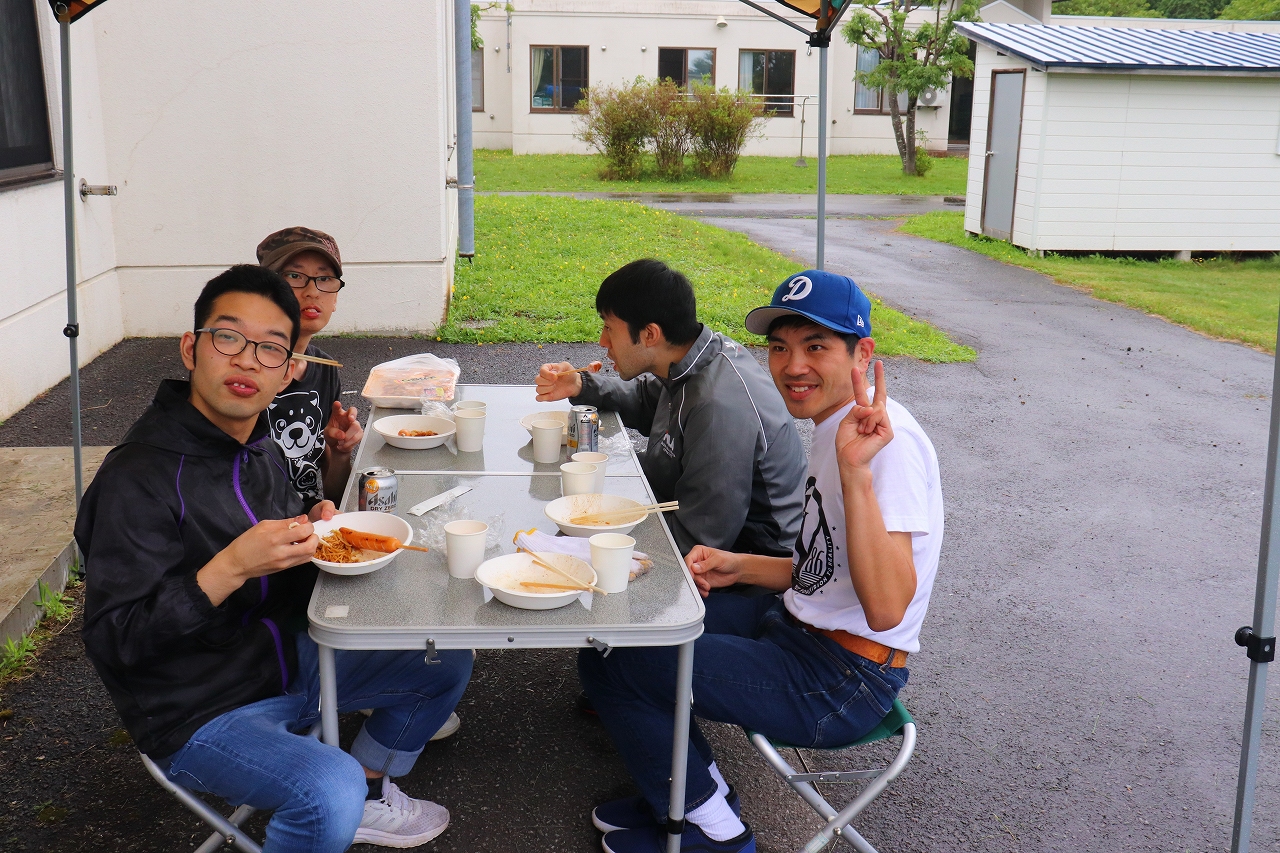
(405, 382)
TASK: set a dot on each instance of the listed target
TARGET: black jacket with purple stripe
(173, 494)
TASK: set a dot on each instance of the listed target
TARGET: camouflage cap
(276, 250)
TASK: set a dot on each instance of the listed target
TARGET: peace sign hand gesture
(866, 429)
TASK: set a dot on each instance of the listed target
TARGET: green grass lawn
(1231, 300)
(539, 261)
(500, 171)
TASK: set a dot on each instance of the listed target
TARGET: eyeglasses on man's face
(324, 283)
(230, 342)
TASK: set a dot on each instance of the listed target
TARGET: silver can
(584, 430)
(379, 489)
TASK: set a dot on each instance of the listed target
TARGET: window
(25, 147)
(558, 76)
(771, 73)
(477, 80)
(872, 100)
(687, 66)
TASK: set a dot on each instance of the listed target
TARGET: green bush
(617, 121)
(671, 132)
(721, 123)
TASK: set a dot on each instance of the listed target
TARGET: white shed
(1131, 140)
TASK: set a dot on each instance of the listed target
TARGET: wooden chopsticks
(582, 585)
(302, 356)
(601, 517)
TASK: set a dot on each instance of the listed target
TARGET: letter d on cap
(801, 287)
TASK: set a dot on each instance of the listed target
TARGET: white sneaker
(398, 820)
(450, 726)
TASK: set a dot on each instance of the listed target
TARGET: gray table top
(413, 599)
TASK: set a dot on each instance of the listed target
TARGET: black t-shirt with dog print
(298, 416)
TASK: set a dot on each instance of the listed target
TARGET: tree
(913, 58)
(1252, 10)
(1107, 8)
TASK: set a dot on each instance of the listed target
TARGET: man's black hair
(794, 321)
(251, 278)
(648, 291)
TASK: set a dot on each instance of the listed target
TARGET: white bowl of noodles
(352, 561)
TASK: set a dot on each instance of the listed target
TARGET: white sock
(722, 787)
(716, 819)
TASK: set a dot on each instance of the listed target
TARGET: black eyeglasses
(324, 283)
(230, 342)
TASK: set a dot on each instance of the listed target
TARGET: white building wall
(33, 306)
(987, 62)
(624, 37)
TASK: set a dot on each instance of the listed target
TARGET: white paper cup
(611, 558)
(546, 440)
(470, 429)
(471, 404)
(601, 461)
(577, 478)
(464, 547)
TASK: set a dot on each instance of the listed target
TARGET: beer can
(379, 488)
(584, 430)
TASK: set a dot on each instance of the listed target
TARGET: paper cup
(470, 429)
(601, 461)
(471, 404)
(546, 440)
(464, 547)
(577, 478)
(611, 558)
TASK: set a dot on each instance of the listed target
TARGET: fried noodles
(334, 549)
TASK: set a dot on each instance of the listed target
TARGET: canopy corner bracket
(1257, 649)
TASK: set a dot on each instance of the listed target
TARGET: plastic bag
(429, 532)
(405, 382)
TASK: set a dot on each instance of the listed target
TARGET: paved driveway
(1078, 688)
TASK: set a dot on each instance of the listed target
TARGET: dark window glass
(24, 113)
(671, 65)
(573, 76)
(687, 66)
(771, 74)
(557, 77)
(477, 81)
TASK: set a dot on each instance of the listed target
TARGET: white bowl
(390, 427)
(561, 510)
(550, 415)
(380, 523)
(503, 576)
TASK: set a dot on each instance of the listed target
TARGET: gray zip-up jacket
(720, 441)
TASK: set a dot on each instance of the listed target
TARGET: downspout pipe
(466, 166)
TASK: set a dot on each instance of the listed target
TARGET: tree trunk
(909, 163)
(895, 118)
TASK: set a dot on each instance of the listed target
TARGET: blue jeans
(752, 667)
(260, 754)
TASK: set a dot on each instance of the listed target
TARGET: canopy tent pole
(1259, 638)
(822, 154)
(72, 329)
(466, 167)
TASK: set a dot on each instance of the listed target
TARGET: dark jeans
(752, 667)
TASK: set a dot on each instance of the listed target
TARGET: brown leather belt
(861, 646)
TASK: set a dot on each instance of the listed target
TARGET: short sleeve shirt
(904, 475)
(298, 416)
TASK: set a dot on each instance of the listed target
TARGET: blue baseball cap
(828, 299)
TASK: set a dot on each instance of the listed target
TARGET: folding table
(413, 603)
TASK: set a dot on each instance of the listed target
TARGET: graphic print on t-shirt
(297, 426)
(815, 554)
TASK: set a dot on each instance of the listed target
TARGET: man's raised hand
(264, 549)
(866, 428)
(558, 382)
(343, 432)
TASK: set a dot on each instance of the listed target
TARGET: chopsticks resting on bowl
(563, 586)
(582, 585)
(602, 517)
(302, 356)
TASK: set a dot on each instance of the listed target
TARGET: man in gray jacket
(721, 441)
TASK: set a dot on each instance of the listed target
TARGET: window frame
(42, 170)
(882, 108)
(790, 109)
(684, 84)
(556, 76)
(477, 103)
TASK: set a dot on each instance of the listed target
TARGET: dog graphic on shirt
(295, 420)
(815, 555)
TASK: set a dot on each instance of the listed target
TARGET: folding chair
(226, 830)
(896, 723)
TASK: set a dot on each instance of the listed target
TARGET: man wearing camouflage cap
(307, 419)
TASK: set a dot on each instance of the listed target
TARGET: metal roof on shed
(1056, 48)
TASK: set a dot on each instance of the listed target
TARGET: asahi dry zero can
(584, 430)
(378, 490)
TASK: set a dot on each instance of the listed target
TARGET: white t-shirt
(905, 479)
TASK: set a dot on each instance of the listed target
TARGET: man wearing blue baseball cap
(821, 666)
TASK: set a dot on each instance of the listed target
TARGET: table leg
(680, 741)
(328, 696)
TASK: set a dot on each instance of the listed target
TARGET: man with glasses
(307, 419)
(197, 556)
